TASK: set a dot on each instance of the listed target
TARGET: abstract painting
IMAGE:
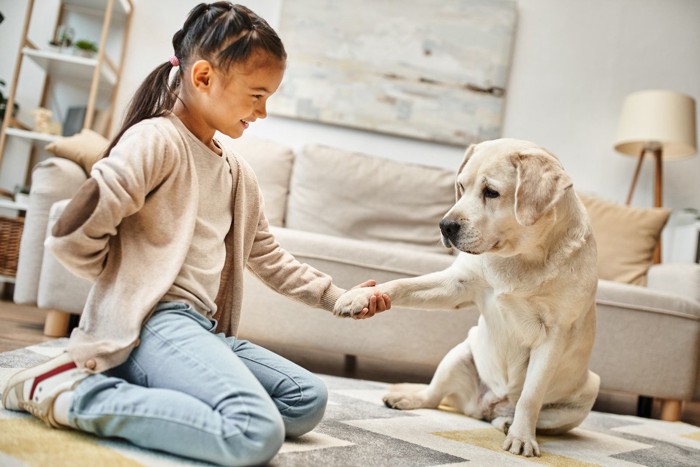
(434, 70)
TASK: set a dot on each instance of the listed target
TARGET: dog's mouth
(472, 250)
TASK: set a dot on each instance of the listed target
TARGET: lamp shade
(657, 119)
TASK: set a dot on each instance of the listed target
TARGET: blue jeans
(190, 392)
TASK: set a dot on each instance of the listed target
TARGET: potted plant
(3, 102)
(63, 40)
(85, 47)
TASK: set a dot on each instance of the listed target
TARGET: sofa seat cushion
(351, 195)
(626, 237)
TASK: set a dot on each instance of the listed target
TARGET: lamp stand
(658, 187)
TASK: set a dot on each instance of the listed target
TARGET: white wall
(574, 62)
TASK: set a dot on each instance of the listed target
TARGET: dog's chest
(515, 318)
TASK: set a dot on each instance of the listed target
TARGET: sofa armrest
(647, 341)
(52, 180)
(678, 278)
(60, 289)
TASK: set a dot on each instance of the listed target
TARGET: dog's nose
(449, 228)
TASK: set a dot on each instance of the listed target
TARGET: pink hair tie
(174, 61)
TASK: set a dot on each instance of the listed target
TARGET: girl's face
(238, 97)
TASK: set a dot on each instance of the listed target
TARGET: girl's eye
(257, 96)
(489, 193)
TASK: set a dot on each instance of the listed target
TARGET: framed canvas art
(434, 70)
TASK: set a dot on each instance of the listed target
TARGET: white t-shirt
(198, 281)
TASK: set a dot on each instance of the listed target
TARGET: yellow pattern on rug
(491, 439)
(694, 436)
(33, 443)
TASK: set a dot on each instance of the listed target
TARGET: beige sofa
(358, 217)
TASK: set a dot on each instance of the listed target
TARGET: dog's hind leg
(455, 383)
(556, 419)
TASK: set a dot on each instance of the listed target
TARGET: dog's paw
(524, 445)
(405, 397)
(400, 401)
(353, 302)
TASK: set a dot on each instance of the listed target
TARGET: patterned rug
(358, 430)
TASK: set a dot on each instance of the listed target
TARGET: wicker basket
(10, 235)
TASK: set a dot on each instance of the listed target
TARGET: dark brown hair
(222, 33)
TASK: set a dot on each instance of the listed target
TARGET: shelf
(69, 66)
(32, 135)
(8, 279)
(9, 204)
(62, 79)
(123, 6)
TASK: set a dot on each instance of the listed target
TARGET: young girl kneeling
(165, 227)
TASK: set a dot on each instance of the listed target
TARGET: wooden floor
(22, 325)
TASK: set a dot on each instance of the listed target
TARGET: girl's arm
(117, 188)
(281, 271)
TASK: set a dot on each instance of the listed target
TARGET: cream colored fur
(528, 261)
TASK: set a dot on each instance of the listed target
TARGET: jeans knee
(257, 445)
(308, 413)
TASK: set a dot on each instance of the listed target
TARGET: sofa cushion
(337, 192)
(626, 237)
(84, 148)
(272, 164)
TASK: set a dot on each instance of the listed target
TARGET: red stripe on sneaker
(49, 374)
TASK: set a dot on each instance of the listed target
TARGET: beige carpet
(359, 431)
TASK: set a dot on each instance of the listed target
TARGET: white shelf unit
(91, 74)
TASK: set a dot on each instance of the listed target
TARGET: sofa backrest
(272, 164)
(346, 194)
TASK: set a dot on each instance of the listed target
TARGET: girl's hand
(373, 302)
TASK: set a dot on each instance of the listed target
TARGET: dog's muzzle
(450, 231)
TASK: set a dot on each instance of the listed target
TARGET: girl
(164, 228)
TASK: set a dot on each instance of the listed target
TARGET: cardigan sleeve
(281, 271)
(117, 188)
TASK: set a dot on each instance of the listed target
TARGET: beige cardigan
(128, 230)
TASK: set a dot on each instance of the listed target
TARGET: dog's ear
(541, 183)
(467, 155)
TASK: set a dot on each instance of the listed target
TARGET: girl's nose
(261, 110)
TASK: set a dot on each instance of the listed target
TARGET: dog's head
(506, 191)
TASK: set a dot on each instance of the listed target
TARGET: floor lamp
(662, 124)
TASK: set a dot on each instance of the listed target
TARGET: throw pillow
(347, 194)
(626, 237)
(84, 148)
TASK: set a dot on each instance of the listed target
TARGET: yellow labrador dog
(528, 261)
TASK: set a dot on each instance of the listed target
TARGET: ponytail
(154, 98)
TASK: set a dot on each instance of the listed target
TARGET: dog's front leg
(437, 291)
(544, 360)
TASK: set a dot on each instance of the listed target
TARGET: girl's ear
(201, 75)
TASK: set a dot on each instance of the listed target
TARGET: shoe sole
(9, 398)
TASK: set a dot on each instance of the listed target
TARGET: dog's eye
(489, 193)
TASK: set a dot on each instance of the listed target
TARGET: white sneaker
(35, 389)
